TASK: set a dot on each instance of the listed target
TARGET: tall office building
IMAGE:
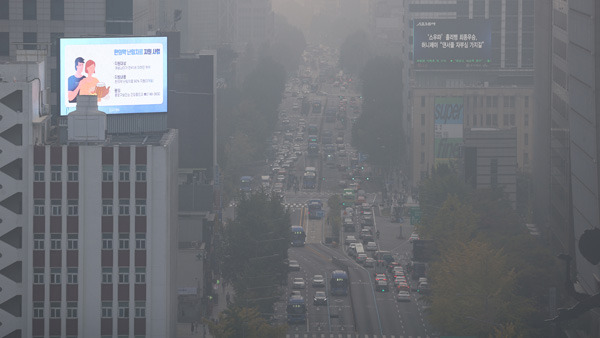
(254, 22)
(567, 144)
(38, 24)
(496, 93)
(89, 219)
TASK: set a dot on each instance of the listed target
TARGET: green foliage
(473, 290)
(454, 222)
(243, 322)
(378, 130)
(435, 189)
(254, 250)
(355, 51)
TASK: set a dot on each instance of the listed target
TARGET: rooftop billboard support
(129, 75)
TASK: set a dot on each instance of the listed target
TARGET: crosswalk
(345, 335)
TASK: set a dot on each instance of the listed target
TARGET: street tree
(473, 290)
(255, 250)
(238, 322)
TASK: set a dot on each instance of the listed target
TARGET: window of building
(57, 9)
(30, 40)
(72, 241)
(107, 173)
(488, 120)
(422, 157)
(71, 309)
(140, 207)
(55, 241)
(38, 275)
(488, 101)
(107, 207)
(140, 173)
(107, 276)
(123, 310)
(38, 309)
(38, 241)
(505, 119)
(55, 173)
(123, 207)
(422, 119)
(512, 119)
(29, 10)
(73, 173)
(526, 102)
(494, 172)
(140, 241)
(123, 241)
(54, 309)
(474, 120)
(512, 101)
(106, 309)
(55, 275)
(124, 173)
(495, 120)
(123, 275)
(72, 207)
(72, 276)
(38, 173)
(422, 101)
(495, 101)
(38, 207)
(140, 309)
(526, 139)
(107, 241)
(4, 38)
(140, 275)
(505, 101)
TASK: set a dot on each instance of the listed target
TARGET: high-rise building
(89, 235)
(567, 142)
(38, 24)
(496, 94)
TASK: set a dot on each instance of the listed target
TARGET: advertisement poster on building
(128, 75)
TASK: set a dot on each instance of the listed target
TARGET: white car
(403, 296)
(350, 239)
(318, 281)
(371, 246)
(298, 283)
(414, 236)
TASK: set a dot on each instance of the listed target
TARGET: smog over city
(299, 168)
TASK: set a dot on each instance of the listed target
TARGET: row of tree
(491, 276)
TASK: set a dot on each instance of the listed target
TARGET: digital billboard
(452, 43)
(129, 74)
(449, 114)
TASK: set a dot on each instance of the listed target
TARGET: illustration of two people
(79, 84)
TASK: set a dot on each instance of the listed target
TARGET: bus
(309, 180)
(296, 310)
(246, 183)
(298, 235)
(313, 149)
(339, 283)
(348, 197)
(315, 209)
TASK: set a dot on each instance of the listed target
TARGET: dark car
(320, 298)
(382, 286)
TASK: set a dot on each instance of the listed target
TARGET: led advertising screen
(129, 75)
(452, 43)
(449, 114)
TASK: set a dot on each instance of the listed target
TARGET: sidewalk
(184, 330)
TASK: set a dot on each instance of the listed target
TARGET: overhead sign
(128, 75)
(452, 43)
